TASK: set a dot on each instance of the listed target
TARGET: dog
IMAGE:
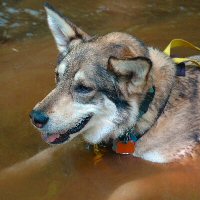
(101, 83)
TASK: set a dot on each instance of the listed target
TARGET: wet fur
(120, 69)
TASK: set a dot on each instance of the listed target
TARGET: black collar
(131, 133)
(125, 142)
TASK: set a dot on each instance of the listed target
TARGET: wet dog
(101, 83)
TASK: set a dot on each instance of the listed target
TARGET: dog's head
(99, 84)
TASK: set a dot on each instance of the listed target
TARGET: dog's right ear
(63, 30)
(133, 71)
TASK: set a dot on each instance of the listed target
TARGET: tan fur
(176, 133)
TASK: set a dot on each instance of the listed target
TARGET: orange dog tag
(124, 148)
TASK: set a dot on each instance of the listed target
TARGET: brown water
(30, 170)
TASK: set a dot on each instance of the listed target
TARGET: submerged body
(101, 83)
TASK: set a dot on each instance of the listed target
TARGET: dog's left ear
(63, 30)
(132, 71)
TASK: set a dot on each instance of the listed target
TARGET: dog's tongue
(52, 138)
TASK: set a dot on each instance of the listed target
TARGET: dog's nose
(39, 118)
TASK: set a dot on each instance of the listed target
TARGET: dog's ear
(132, 71)
(63, 30)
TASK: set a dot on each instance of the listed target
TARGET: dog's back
(176, 134)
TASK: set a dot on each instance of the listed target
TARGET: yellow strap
(181, 43)
(99, 153)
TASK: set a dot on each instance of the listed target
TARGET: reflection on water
(25, 18)
(32, 170)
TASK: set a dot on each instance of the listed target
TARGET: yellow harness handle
(181, 43)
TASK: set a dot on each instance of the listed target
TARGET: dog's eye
(83, 89)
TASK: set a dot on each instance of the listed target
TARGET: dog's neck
(162, 76)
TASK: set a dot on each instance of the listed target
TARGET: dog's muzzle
(59, 138)
(40, 119)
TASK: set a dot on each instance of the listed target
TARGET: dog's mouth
(59, 138)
